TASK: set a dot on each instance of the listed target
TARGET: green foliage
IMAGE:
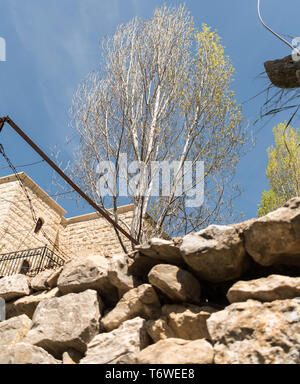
(283, 170)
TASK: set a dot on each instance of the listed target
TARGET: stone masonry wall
(7, 195)
(19, 224)
(91, 234)
(67, 237)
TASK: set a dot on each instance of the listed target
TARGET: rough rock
(71, 356)
(138, 302)
(162, 250)
(274, 287)
(46, 279)
(69, 321)
(275, 238)
(118, 346)
(155, 251)
(140, 265)
(180, 321)
(215, 254)
(177, 351)
(84, 273)
(39, 282)
(118, 274)
(27, 305)
(13, 287)
(23, 353)
(14, 330)
(53, 278)
(257, 333)
(179, 285)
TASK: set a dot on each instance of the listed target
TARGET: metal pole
(65, 177)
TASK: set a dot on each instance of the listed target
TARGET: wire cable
(32, 210)
(24, 165)
(273, 32)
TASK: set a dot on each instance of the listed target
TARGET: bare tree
(162, 95)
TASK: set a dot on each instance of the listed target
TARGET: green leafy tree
(283, 170)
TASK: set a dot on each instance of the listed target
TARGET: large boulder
(118, 274)
(46, 279)
(176, 283)
(118, 346)
(14, 330)
(13, 287)
(155, 251)
(215, 254)
(257, 333)
(66, 322)
(274, 287)
(53, 278)
(39, 282)
(162, 250)
(138, 302)
(27, 305)
(91, 272)
(275, 238)
(23, 353)
(180, 321)
(177, 351)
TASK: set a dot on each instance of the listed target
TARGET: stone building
(45, 227)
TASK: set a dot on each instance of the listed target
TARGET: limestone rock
(274, 287)
(275, 238)
(180, 321)
(27, 305)
(162, 250)
(179, 285)
(141, 265)
(215, 254)
(53, 278)
(118, 274)
(177, 351)
(65, 322)
(14, 330)
(71, 356)
(257, 333)
(118, 346)
(46, 279)
(138, 302)
(39, 282)
(23, 353)
(89, 272)
(13, 287)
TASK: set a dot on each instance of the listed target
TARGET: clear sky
(52, 45)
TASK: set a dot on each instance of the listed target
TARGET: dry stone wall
(101, 312)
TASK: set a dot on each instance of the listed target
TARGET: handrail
(29, 261)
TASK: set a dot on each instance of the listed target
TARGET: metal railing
(29, 262)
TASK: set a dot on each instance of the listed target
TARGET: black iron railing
(29, 262)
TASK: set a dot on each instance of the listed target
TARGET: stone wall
(67, 237)
(18, 224)
(92, 234)
(223, 295)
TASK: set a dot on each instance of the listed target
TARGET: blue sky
(52, 45)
